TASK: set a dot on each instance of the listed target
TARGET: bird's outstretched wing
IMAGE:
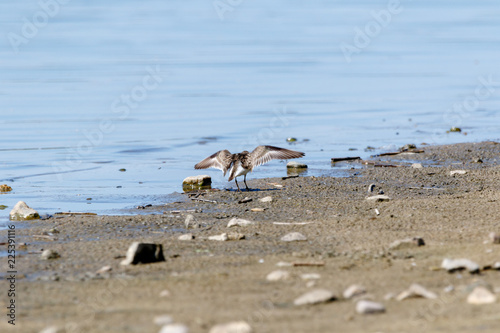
(220, 160)
(263, 154)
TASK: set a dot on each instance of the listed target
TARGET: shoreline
(348, 238)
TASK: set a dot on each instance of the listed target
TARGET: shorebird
(242, 163)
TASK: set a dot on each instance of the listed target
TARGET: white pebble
(163, 320)
(233, 327)
(416, 290)
(369, 307)
(458, 172)
(174, 328)
(186, 237)
(278, 275)
(266, 199)
(294, 237)
(239, 222)
(314, 297)
(310, 276)
(481, 295)
(221, 238)
(353, 291)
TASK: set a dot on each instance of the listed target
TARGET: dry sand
(211, 282)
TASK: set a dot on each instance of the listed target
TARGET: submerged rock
(296, 165)
(143, 253)
(22, 212)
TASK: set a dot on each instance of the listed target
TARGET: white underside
(240, 171)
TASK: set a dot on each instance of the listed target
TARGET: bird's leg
(236, 181)
(245, 181)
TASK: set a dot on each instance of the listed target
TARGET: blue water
(154, 87)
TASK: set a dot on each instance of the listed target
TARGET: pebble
(293, 237)
(496, 265)
(452, 265)
(284, 264)
(371, 187)
(481, 295)
(416, 290)
(174, 328)
(278, 275)
(104, 269)
(189, 222)
(266, 199)
(245, 200)
(235, 236)
(221, 238)
(164, 293)
(310, 276)
(49, 254)
(296, 165)
(163, 320)
(369, 307)
(239, 222)
(378, 198)
(315, 297)
(197, 181)
(495, 238)
(52, 329)
(417, 166)
(353, 291)
(257, 209)
(232, 327)
(143, 253)
(407, 243)
(458, 172)
(186, 237)
(22, 212)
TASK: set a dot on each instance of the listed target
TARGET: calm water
(88, 88)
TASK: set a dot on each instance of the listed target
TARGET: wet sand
(211, 282)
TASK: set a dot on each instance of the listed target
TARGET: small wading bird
(244, 162)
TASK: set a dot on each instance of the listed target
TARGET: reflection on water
(154, 87)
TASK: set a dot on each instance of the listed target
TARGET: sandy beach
(348, 239)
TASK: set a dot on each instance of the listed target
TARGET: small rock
(22, 212)
(495, 238)
(257, 209)
(310, 276)
(294, 237)
(266, 199)
(232, 236)
(233, 327)
(378, 198)
(496, 265)
(369, 307)
(197, 181)
(315, 297)
(407, 243)
(354, 291)
(164, 293)
(52, 329)
(371, 187)
(245, 200)
(291, 139)
(481, 295)
(452, 265)
(239, 222)
(296, 165)
(50, 254)
(104, 269)
(163, 320)
(414, 291)
(284, 264)
(417, 166)
(221, 238)
(186, 237)
(143, 253)
(189, 222)
(174, 328)
(5, 188)
(278, 275)
(458, 172)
